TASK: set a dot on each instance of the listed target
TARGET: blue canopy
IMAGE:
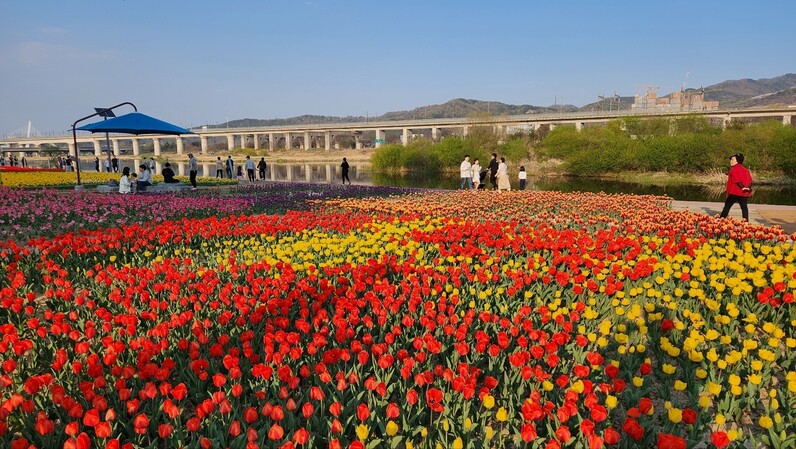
(134, 123)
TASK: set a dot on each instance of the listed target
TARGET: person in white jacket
(124, 181)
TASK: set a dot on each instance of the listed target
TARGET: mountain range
(743, 93)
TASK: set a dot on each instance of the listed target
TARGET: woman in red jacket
(739, 186)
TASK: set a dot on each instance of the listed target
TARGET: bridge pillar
(358, 141)
(180, 147)
(786, 120)
(230, 141)
(726, 122)
(136, 148)
(271, 144)
(329, 173)
(307, 173)
(208, 168)
(289, 173)
(434, 133)
(203, 144)
(288, 141)
(256, 142)
(307, 143)
(71, 147)
(327, 140)
(156, 145)
(552, 126)
(578, 126)
(379, 138)
(465, 130)
(115, 147)
(97, 148)
(405, 136)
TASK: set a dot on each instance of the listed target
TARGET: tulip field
(350, 317)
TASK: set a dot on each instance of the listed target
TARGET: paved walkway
(765, 214)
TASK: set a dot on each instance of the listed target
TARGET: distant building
(676, 101)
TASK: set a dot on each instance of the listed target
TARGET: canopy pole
(74, 136)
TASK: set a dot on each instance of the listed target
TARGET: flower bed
(18, 169)
(441, 319)
(40, 179)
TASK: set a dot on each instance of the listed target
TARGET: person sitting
(145, 179)
(124, 181)
(168, 175)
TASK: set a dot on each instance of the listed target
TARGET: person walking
(739, 187)
(96, 163)
(261, 166)
(344, 168)
(503, 182)
(115, 164)
(250, 168)
(493, 169)
(219, 167)
(230, 167)
(466, 173)
(107, 165)
(193, 169)
(523, 177)
(475, 173)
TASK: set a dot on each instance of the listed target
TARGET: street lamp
(105, 114)
(74, 135)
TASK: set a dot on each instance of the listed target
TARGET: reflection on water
(360, 174)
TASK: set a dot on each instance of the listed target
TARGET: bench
(157, 188)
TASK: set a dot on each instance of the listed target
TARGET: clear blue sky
(196, 62)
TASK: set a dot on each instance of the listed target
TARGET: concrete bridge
(329, 135)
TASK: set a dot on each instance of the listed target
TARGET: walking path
(764, 214)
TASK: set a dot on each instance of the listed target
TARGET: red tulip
(719, 439)
(276, 432)
(668, 441)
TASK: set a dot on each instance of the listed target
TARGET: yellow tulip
(610, 401)
(458, 443)
(362, 432)
(502, 414)
(391, 428)
(675, 415)
(488, 401)
(488, 432)
(679, 385)
(765, 422)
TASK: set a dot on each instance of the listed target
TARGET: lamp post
(74, 135)
(105, 113)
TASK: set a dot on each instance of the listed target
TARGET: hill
(744, 93)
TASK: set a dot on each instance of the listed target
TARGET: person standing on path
(107, 165)
(739, 187)
(115, 164)
(503, 176)
(193, 169)
(152, 165)
(475, 173)
(261, 166)
(344, 167)
(230, 167)
(493, 169)
(523, 177)
(250, 168)
(219, 167)
(96, 164)
(466, 173)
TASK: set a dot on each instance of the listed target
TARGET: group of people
(135, 182)
(228, 166)
(13, 161)
(473, 176)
